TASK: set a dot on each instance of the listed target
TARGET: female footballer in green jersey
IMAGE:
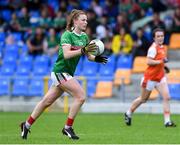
(73, 44)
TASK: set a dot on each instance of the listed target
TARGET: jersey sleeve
(151, 52)
(66, 38)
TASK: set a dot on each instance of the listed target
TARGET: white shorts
(150, 85)
(59, 78)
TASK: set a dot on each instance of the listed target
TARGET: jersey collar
(77, 33)
(161, 46)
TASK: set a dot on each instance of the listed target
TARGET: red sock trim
(166, 112)
(69, 122)
(31, 120)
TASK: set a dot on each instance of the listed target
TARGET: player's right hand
(165, 60)
(90, 47)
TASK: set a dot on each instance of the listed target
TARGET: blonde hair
(73, 15)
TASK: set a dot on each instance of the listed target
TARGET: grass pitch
(91, 128)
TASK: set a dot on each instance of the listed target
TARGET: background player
(154, 77)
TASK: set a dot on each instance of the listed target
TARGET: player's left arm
(166, 68)
(90, 57)
(99, 59)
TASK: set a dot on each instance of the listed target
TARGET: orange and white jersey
(155, 72)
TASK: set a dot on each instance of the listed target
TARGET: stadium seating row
(16, 63)
(22, 87)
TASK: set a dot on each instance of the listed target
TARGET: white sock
(67, 127)
(129, 113)
(166, 118)
(28, 126)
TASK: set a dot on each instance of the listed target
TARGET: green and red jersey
(77, 41)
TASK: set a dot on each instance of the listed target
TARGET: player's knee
(80, 96)
(167, 98)
(82, 99)
(143, 100)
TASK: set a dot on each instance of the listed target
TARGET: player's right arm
(151, 61)
(66, 44)
(68, 53)
(151, 55)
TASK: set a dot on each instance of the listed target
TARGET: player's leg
(53, 93)
(163, 90)
(146, 89)
(135, 104)
(142, 99)
(73, 87)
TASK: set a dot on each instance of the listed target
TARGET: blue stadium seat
(42, 60)
(26, 61)
(148, 35)
(20, 87)
(106, 70)
(40, 70)
(174, 90)
(7, 70)
(105, 78)
(53, 59)
(112, 60)
(54, 4)
(36, 87)
(35, 13)
(1, 49)
(9, 60)
(124, 62)
(23, 70)
(6, 15)
(4, 86)
(12, 50)
(4, 2)
(2, 36)
(91, 87)
(24, 49)
(17, 36)
(90, 68)
(2, 44)
(85, 4)
(79, 67)
(78, 70)
(49, 83)
(11, 47)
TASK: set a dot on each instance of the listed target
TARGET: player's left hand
(101, 59)
(167, 70)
